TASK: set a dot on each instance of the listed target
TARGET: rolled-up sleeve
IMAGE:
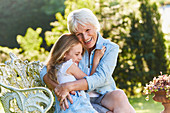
(42, 74)
(104, 70)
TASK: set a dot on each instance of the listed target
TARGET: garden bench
(21, 88)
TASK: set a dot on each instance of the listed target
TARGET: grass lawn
(143, 106)
(139, 103)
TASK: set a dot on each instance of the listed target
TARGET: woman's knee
(114, 97)
(119, 95)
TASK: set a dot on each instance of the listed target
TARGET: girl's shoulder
(64, 66)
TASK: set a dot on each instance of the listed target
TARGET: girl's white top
(62, 76)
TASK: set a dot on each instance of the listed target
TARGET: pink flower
(162, 82)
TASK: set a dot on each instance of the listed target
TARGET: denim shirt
(101, 81)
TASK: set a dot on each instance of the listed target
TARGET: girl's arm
(96, 59)
(76, 71)
(79, 74)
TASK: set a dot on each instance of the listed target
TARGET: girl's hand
(99, 53)
(96, 59)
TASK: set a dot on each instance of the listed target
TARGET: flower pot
(160, 96)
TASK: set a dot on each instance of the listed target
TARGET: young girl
(62, 67)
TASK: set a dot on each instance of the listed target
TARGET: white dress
(81, 100)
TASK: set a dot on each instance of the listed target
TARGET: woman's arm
(45, 79)
(50, 83)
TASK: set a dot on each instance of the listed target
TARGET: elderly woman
(100, 86)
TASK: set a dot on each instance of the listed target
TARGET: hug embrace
(80, 66)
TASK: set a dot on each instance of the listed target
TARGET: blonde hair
(81, 16)
(56, 56)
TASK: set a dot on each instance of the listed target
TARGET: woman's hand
(62, 92)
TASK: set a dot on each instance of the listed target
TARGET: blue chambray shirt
(101, 81)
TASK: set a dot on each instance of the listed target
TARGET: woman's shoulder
(110, 44)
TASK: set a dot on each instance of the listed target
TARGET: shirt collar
(100, 41)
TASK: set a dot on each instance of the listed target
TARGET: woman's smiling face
(87, 35)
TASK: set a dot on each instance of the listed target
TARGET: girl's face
(75, 53)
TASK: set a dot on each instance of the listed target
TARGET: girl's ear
(65, 55)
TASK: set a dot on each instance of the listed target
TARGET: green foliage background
(133, 24)
(17, 15)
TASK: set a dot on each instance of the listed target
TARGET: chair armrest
(27, 99)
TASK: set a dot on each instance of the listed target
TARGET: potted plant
(160, 86)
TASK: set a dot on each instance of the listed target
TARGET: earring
(64, 57)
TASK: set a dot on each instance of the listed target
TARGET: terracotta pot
(160, 96)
